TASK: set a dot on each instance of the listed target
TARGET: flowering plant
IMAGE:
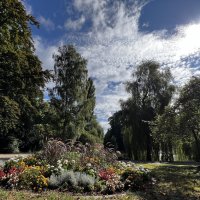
(33, 178)
(11, 177)
(106, 174)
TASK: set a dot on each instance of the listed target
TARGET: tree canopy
(21, 75)
(151, 90)
(73, 96)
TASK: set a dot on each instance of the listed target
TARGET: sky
(115, 36)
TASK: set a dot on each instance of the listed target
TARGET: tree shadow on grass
(174, 182)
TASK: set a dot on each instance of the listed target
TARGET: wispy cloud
(27, 6)
(47, 23)
(75, 24)
(114, 46)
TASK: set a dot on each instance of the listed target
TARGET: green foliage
(9, 114)
(164, 130)
(21, 74)
(32, 178)
(188, 106)
(135, 180)
(114, 134)
(151, 90)
(73, 97)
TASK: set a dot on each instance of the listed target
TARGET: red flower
(106, 174)
(2, 174)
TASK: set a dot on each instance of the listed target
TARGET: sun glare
(190, 41)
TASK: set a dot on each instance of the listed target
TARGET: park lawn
(174, 182)
(178, 181)
(53, 195)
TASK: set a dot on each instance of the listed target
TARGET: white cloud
(27, 6)
(45, 52)
(47, 23)
(75, 24)
(114, 46)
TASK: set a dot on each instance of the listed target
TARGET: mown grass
(24, 195)
(174, 182)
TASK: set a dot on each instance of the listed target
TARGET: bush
(85, 181)
(65, 178)
(72, 181)
(135, 179)
(32, 178)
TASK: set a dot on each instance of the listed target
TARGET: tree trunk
(149, 147)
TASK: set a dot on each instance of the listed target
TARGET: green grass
(24, 195)
(174, 182)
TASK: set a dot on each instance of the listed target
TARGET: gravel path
(4, 157)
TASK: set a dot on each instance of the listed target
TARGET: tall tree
(73, 94)
(189, 112)
(151, 90)
(21, 74)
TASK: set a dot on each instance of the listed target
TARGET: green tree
(114, 135)
(151, 90)
(73, 95)
(164, 131)
(189, 113)
(21, 74)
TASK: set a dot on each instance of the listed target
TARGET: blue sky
(116, 35)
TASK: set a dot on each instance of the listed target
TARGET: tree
(114, 135)
(21, 74)
(151, 90)
(164, 130)
(189, 112)
(73, 95)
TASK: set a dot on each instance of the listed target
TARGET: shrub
(13, 145)
(84, 180)
(113, 185)
(66, 177)
(135, 179)
(72, 181)
(32, 178)
(14, 163)
(106, 174)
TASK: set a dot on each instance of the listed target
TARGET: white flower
(73, 161)
(59, 166)
(65, 162)
(88, 165)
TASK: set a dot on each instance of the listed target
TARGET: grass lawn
(178, 181)
(174, 182)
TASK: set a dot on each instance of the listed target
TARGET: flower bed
(74, 168)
